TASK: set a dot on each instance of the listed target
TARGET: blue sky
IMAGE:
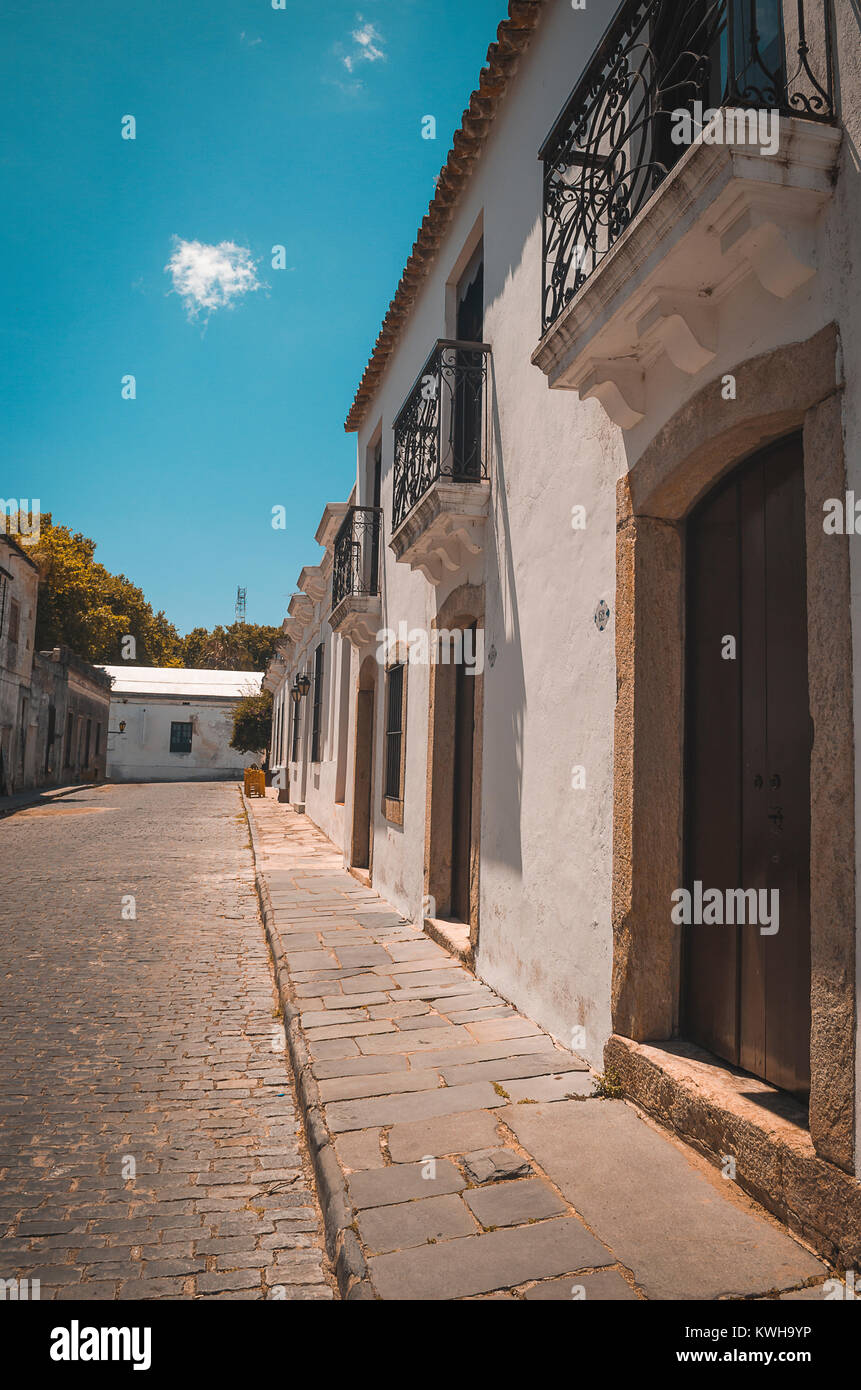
(255, 127)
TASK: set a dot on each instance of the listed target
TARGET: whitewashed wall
(142, 753)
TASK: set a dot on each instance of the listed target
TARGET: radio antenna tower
(240, 606)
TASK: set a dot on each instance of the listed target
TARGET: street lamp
(303, 685)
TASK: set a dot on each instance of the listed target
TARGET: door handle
(776, 817)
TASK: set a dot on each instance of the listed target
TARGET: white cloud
(211, 277)
(368, 49)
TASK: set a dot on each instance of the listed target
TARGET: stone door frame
(792, 388)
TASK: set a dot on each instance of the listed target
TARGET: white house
(173, 725)
(605, 428)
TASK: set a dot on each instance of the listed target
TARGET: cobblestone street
(149, 1140)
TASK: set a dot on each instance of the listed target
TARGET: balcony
(699, 146)
(441, 485)
(356, 607)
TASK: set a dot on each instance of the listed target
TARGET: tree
(239, 647)
(252, 723)
(83, 606)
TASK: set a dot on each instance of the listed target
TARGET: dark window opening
(294, 754)
(394, 733)
(469, 381)
(180, 737)
(49, 741)
(318, 704)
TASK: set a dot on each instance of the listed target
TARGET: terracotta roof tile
(512, 39)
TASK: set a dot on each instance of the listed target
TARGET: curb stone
(351, 1270)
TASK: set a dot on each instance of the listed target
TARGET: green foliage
(608, 1086)
(239, 647)
(252, 723)
(83, 606)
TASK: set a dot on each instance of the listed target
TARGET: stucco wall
(545, 939)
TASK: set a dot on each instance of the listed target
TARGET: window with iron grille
(180, 737)
(394, 732)
(318, 704)
(294, 753)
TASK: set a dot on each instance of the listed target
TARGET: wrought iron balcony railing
(616, 139)
(442, 428)
(355, 571)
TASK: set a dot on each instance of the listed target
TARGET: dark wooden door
(363, 780)
(464, 742)
(746, 994)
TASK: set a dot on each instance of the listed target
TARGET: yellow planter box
(255, 782)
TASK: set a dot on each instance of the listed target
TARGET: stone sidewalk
(458, 1150)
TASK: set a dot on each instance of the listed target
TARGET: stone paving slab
(402, 1182)
(455, 1166)
(674, 1230)
(482, 1263)
(423, 1221)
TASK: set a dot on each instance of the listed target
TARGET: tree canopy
(85, 607)
(252, 722)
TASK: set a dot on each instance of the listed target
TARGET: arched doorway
(746, 961)
(363, 777)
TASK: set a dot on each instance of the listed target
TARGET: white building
(173, 725)
(606, 421)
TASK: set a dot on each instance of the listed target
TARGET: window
(87, 743)
(5, 576)
(394, 733)
(98, 740)
(49, 741)
(14, 620)
(318, 704)
(180, 737)
(70, 725)
(294, 754)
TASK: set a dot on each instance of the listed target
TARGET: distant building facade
(174, 725)
(53, 705)
(19, 587)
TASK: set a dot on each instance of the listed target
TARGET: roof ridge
(512, 39)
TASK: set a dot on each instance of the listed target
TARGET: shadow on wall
(505, 757)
